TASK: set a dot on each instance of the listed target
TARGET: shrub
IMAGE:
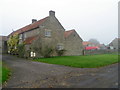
(21, 50)
(44, 52)
(60, 52)
(12, 44)
(47, 52)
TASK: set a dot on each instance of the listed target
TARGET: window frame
(20, 37)
(60, 47)
(47, 33)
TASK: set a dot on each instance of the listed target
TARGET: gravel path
(29, 74)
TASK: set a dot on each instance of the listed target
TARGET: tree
(94, 41)
(12, 44)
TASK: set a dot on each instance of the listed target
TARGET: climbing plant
(60, 52)
(12, 44)
(21, 49)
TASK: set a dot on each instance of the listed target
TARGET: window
(32, 54)
(24, 36)
(59, 47)
(48, 33)
(20, 36)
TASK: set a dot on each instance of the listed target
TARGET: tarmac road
(30, 74)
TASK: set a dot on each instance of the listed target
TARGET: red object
(30, 39)
(91, 48)
(67, 33)
(29, 27)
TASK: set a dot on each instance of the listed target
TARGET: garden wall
(93, 52)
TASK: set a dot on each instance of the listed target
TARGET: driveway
(30, 74)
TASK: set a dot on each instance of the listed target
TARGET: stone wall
(3, 44)
(73, 45)
(93, 52)
(4, 47)
(31, 33)
(57, 35)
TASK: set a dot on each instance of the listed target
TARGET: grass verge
(4, 72)
(89, 61)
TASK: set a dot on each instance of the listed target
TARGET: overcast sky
(90, 18)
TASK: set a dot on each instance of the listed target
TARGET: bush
(44, 52)
(12, 44)
(21, 50)
(60, 52)
(47, 52)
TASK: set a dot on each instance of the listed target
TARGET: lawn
(4, 72)
(89, 61)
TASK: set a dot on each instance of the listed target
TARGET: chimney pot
(51, 13)
(34, 20)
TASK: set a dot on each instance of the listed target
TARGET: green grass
(4, 72)
(89, 61)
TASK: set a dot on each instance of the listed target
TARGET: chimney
(34, 20)
(51, 13)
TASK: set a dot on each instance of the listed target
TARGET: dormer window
(47, 33)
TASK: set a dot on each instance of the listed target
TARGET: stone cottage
(48, 32)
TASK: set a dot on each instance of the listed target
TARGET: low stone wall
(3, 47)
(0, 50)
(93, 52)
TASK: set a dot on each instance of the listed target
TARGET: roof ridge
(29, 26)
(70, 30)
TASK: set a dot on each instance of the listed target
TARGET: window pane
(59, 47)
(48, 33)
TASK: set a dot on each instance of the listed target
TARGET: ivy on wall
(13, 43)
(14, 47)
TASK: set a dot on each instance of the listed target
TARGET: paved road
(29, 74)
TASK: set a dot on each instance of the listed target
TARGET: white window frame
(60, 47)
(47, 33)
(24, 36)
(32, 54)
(20, 36)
